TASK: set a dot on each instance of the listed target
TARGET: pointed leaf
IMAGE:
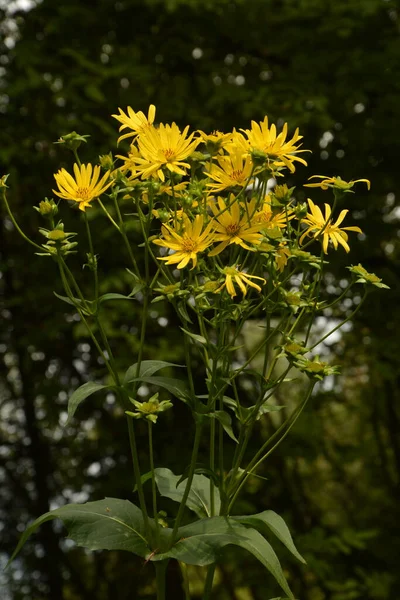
(113, 296)
(73, 301)
(86, 308)
(87, 389)
(110, 524)
(177, 387)
(197, 338)
(200, 544)
(276, 524)
(198, 501)
(147, 368)
(225, 421)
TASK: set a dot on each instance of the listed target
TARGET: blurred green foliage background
(330, 67)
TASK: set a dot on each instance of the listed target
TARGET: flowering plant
(225, 243)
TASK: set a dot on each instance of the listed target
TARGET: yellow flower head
(234, 170)
(233, 228)
(336, 183)
(271, 220)
(137, 122)
(187, 242)
(166, 147)
(215, 140)
(234, 277)
(84, 188)
(264, 140)
(320, 225)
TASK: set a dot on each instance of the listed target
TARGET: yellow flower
(278, 151)
(232, 228)
(129, 163)
(233, 170)
(318, 225)
(335, 182)
(270, 220)
(166, 147)
(84, 188)
(137, 122)
(281, 256)
(215, 141)
(187, 243)
(233, 276)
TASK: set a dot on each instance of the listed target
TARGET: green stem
(153, 482)
(256, 461)
(195, 451)
(93, 266)
(161, 570)
(124, 236)
(185, 579)
(108, 215)
(209, 581)
(14, 222)
(342, 323)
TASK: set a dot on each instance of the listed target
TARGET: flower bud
(3, 181)
(47, 208)
(57, 235)
(106, 161)
(72, 140)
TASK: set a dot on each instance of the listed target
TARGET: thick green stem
(195, 451)
(153, 482)
(209, 581)
(161, 570)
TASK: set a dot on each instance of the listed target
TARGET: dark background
(329, 67)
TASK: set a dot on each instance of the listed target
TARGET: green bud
(72, 140)
(3, 181)
(106, 161)
(47, 208)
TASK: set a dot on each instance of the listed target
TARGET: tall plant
(223, 241)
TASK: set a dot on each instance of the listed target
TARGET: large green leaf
(199, 496)
(276, 524)
(109, 524)
(147, 369)
(177, 387)
(87, 389)
(200, 544)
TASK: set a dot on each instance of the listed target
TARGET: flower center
(188, 245)
(84, 193)
(233, 229)
(169, 154)
(237, 175)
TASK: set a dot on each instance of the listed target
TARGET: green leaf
(76, 302)
(145, 477)
(87, 389)
(184, 314)
(276, 524)
(177, 387)
(113, 296)
(225, 421)
(198, 501)
(201, 542)
(110, 524)
(147, 368)
(197, 338)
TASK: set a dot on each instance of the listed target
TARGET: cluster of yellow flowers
(212, 194)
